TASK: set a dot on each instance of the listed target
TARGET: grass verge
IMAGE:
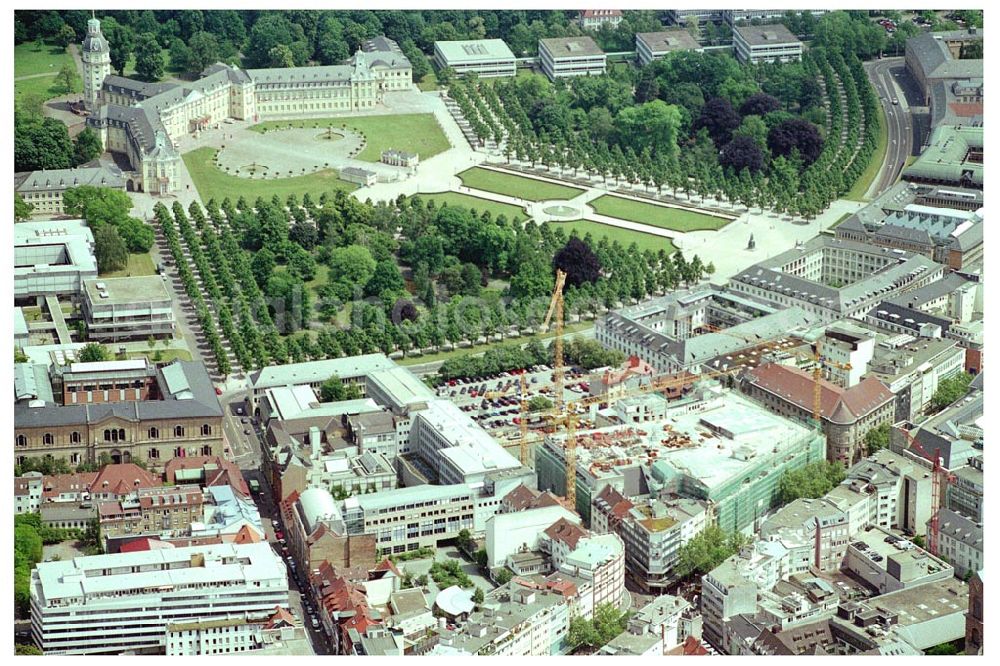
(864, 181)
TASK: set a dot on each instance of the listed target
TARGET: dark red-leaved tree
(759, 104)
(742, 153)
(796, 133)
(578, 261)
(719, 118)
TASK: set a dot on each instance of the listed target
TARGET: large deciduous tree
(719, 118)
(759, 104)
(148, 58)
(742, 153)
(579, 262)
(796, 134)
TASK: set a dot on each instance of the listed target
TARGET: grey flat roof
(762, 35)
(62, 179)
(668, 40)
(125, 290)
(474, 50)
(571, 47)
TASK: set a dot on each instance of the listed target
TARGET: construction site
(711, 444)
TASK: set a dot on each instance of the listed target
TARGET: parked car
(218, 391)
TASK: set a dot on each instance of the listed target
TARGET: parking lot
(494, 401)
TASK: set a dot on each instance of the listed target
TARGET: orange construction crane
(940, 479)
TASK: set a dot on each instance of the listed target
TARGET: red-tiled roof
(57, 484)
(387, 565)
(280, 618)
(246, 535)
(123, 478)
(520, 498)
(836, 404)
(145, 543)
(565, 531)
(226, 473)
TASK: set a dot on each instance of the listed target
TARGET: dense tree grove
(683, 123)
(812, 481)
(289, 281)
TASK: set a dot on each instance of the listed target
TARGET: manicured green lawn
(416, 133)
(676, 219)
(857, 192)
(516, 186)
(49, 60)
(214, 184)
(624, 236)
(138, 265)
(457, 199)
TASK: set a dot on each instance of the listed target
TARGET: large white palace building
(143, 120)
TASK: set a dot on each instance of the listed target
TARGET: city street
(891, 83)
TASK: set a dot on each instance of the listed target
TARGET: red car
(279, 535)
(218, 391)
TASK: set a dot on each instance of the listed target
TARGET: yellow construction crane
(523, 415)
(556, 308)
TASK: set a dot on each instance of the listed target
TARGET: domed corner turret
(96, 56)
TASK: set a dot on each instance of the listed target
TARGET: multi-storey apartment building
(167, 510)
(766, 43)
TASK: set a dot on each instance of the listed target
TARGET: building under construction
(713, 444)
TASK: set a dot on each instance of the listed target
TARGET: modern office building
(702, 16)
(564, 57)
(766, 43)
(651, 46)
(487, 58)
(350, 370)
(44, 189)
(123, 603)
(738, 16)
(127, 308)
(406, 519)
(52, 258)
(456, 447)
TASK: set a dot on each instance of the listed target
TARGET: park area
(415, 133)
(530, 189)
(665, 217)
(212, 183)
(35, 69)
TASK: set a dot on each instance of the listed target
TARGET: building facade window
(47, 439)
(154, 433)
(178, 431)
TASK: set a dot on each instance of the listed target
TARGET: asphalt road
(884, 75)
